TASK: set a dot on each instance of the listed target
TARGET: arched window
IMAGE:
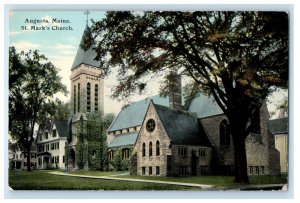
(125, 154)
(111, 155)
(144, 150)
(96, 98)
(157, 148)
(78, 97)
(150, 149)
(255, 122)
(74, 97)
(224, 133)
(88, 97)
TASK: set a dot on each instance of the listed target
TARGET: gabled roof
(85, 57)
(204, 106)
(279, 126)
(133, 115)
(61, 127)
(181, 127)
(122, 140)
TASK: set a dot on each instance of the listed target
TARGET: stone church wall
(146, 137)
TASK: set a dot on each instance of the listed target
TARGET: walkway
(135, 180)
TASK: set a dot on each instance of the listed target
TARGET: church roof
(61, 127)
(279, 126)
(181, 127)
(85, 57)
(122, 140)
(133, 115)
(204, 106)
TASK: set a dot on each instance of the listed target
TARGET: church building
(87, 93)
(160, 138)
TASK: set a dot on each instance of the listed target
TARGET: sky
(60, 47)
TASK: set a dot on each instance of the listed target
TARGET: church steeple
(85, 54)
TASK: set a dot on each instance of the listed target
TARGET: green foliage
(118, 163)
(234, 56)
(81, 155)
(33, 82)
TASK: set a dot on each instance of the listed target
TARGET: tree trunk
(28, 150)
(238, 131)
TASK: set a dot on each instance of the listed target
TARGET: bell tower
(87, 99)
(87, 83)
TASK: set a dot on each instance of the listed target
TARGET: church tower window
(224, 133)
(74, 97)
(144, 149)
(157, 148)
(150, 149)
(78, 98)
(88, 97)
(96, 98)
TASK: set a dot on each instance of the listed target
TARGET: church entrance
(71, 161)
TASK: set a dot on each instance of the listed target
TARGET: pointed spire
(87, 17)
(85, 55)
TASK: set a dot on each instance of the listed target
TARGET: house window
(64, 159)
(46, 136)
(150, 170)
(224, 133)
(134, 129)
(257, 170)
(182, 151)
(150, 149)
(144, 149)
(96, 98)
(157, 170)
(57, 145)
(157, 148)
(88, 97)
(54, 133)
(202, 152)
(78, 98)
(262, 170)
(143, 170)
(251, 170)
(74, 96)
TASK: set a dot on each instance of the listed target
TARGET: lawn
(41, 180)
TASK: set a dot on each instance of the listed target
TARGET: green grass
(41, 180)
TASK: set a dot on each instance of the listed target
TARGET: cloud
(13, 33)
(64, 46)
(25, 46)
(49, 18)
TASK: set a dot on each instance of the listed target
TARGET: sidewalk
(135, 180)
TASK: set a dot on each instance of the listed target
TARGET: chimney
(175, 92)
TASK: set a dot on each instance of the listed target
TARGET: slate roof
(181, 127)
(279, 126)
(133, 115)
(204, 106)
(122, 140)
(61, 127)
(85, 57)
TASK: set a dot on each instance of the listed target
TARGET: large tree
(238, 57)
(32, 83)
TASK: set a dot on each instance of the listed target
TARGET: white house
(51, 142)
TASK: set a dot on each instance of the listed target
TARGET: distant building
(279, 128)
(51, 143)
